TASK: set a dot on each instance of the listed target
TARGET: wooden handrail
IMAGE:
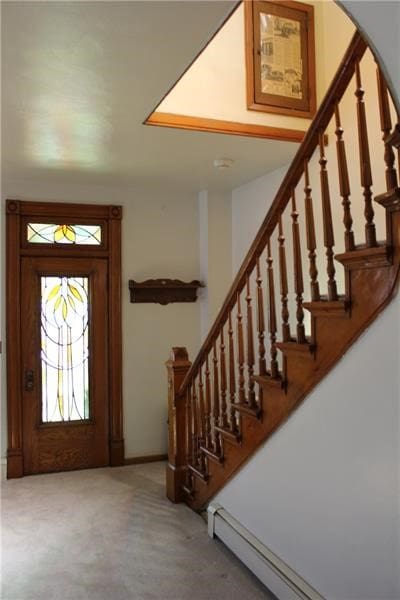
(321, 121)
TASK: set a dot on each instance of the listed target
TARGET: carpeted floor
(110, 534)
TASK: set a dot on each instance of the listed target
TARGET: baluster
(298, 272)
(223, 406)
(365, 162)
(260, 322)
(232, 378)
(208, 407)
(386, 128)
(329, 239)
(203, 423)
(195, 417)
(217, 441)
(192, 416)
(250, 347)
(344, 183)
(189, 438)
(283, 284)
(274, 370)
(311, 241)
(240, 350)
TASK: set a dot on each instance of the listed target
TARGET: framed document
(280, 57)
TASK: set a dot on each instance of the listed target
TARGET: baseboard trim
(139, 460)
(3, 467)
(275, 574)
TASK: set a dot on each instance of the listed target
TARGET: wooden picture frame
(280, 57)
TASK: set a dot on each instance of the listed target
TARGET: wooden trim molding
(140, 460)
(162, 119)
(17, 211)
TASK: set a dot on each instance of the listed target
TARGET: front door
(64, 341)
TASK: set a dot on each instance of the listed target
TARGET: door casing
(18, 214)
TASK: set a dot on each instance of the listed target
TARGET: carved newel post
(177, 367)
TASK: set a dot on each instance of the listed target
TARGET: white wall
(323, 493)
(159, 239)
(250, 204)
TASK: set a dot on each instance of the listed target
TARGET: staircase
(275, 338)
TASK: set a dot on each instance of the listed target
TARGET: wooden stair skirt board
(275, 574)
(258, 362)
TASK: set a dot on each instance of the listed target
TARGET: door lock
(29, 380)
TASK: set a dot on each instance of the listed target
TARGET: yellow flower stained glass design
(53, 233)
(65, 348)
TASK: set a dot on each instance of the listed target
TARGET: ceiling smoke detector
(223, 163)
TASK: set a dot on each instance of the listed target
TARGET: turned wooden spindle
(344, 183)
(232, 375)
(260, 322)
(386, 128)
(217, 440)
(223, 420)
(202, 410)
(311, 239)
(209, 438)
(196, 425)
(283, 284)
(329, 239)
(192, 426)
(272, 327)
(202, 422)
(297, 272)
(241, 380)
(365, 162)
(250, 347)
(188, 433)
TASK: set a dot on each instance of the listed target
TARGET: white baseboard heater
(276, 575)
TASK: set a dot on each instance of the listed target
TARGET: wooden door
(64, 341)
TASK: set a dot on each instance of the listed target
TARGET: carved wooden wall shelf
(163, 291)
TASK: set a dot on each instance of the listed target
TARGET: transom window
(61, 233)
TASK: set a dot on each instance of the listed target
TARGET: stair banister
(320, 122)
(270, 345)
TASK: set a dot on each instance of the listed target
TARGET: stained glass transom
(52, 233)
(65, 348)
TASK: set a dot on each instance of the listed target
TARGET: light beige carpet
(110, 534)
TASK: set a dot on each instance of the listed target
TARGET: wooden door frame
(17, 213)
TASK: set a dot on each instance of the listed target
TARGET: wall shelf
(163, 291)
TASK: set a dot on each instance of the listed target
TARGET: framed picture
(280, 57)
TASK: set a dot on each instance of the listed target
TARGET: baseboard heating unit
(276, 575)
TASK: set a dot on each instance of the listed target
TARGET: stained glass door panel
(64, 347)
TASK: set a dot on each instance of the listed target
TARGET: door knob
(29, 380)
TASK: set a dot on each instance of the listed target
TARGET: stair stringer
(369, 289)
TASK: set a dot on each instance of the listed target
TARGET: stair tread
(203, 476)
(394, 137)
(278, 382)
(363, 257)
(389, 200)
(218, 458)
(325, 307)
(229, 435)
(305, 348)
(245, 409)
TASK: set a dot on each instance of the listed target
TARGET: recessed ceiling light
(223, 163)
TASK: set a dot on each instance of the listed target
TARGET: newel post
(177, 367)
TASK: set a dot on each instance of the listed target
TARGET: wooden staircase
(263, 354)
